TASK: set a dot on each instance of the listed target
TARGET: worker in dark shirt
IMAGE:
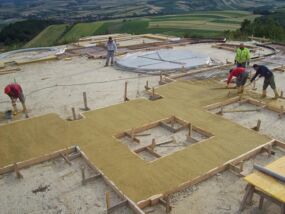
(263, 71)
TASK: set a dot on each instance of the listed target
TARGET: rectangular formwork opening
(162, 138)
(253, 114)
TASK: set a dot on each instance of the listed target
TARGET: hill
(197, 24)
(92, 10)
(49, 36)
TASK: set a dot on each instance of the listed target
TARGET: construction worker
(263, 71)
(14, 91)
(241, 77)
(242, 56)
(111, 50)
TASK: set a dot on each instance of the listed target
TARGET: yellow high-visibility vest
(242, 56)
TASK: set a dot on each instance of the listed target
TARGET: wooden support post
(85, 102)
(17, 171)
(190, 130)
(172, 121)
(126, 92)
(282, 94)
(107, 198)
(221, 112)
(281, 112)
(133, 134)
(241, 166)
(261, 200)
(83, 175)
(269, 148)
(66, 159)
(73, 113)
(146, 86)
(161, 82)
(247, 197)
(153, 144)
(167, 205)
(257, 128)
(236, 170)
(153, 92)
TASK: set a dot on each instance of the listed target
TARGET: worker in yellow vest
(242, 56)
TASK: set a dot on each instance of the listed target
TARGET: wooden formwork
(69, 154)
(228, 165)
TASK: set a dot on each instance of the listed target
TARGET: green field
(80, 30)
(207, 24)
(49, 36)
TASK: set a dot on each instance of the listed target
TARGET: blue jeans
(110, 55)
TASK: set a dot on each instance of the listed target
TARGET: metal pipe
(269, 172)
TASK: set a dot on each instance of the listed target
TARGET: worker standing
(263, 71)
(111, 50)
(242, 56)
(14, 91)
(241, 77)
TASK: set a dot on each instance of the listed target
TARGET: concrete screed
(55, 187)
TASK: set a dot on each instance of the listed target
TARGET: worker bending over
(241, 77)
(14, 91)
(111, 50)
(242, 56)
(263, 71)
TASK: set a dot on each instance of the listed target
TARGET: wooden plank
(153, 152)
(167, 127)
(117, 206)
(224, 103)
(92, 178)
(38, 160)
(66, 159)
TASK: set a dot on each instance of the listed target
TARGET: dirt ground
(221, 194)
(55, 187)
(271, 124)
(57, 86)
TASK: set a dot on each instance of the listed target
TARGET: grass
(49, 36)
(195, 24)
(80, 30)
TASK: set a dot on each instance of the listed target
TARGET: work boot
(263, 94)
(276, 94)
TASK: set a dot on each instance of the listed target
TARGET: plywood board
(267, 184)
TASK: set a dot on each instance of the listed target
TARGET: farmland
(197, 24)
(49, 36)
(94, 10)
